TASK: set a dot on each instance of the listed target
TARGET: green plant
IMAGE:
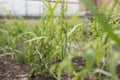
(50, 47)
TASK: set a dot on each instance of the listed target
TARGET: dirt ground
(11, 70)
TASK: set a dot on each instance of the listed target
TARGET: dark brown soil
(10, 70)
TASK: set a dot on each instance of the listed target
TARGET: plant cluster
(50, 48)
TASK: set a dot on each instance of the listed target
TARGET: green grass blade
(102, 20)
(35, 39)
(73, 29)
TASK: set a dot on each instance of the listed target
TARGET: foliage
(49, 48)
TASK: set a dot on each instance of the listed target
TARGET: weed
(50, 47)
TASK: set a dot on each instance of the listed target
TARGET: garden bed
(11, 70)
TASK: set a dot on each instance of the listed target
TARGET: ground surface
(11, 70)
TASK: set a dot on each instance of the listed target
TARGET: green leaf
(90, 59)
(102, 20)
(113, 64)
(80, 74)
(73, 29)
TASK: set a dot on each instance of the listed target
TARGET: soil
(11, 70)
